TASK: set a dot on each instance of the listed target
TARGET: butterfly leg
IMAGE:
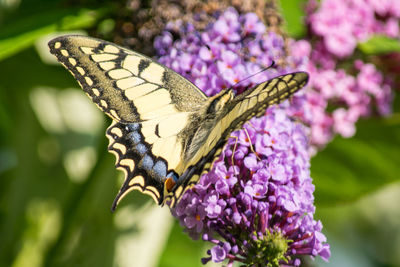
(233, 151)
(234, 148)
(251, 144)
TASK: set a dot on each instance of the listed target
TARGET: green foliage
(34, 19)
(379, 44)
(181, 251)
(348, 169)
(32, 180)
(24, 32)
(293, 16)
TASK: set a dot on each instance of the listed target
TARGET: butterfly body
(165, 132)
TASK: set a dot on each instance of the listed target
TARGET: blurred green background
(58, 180)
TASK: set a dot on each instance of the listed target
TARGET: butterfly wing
(148, 103)
(251, 103)
(255, 101)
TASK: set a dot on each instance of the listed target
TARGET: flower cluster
(344, 23)
(256, 204)
(258, 197)
(229, 51)
(340, 94)
(337, 99)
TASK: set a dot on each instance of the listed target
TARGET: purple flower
(256, 203)
(339, 28)
(194, 219)
(252, 24)
(218, 252)
(214, 205)
(163, 43)
(336, 100)
(255, 190)
(227, 26)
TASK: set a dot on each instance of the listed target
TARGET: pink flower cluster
(343, 89)
(344, 23)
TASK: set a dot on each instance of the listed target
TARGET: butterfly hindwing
(143, 171)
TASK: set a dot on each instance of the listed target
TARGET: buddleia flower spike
(256, 209)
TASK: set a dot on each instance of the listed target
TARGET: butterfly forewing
(255, 101)
(121, 81)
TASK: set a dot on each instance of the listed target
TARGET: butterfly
(165, 132)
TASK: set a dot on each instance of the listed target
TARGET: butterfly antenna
(245, 79)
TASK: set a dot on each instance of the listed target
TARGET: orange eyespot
(169, 184)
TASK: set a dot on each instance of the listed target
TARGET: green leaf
(181, 251)
(22, 34)
(350, 168)
(380, 44)
(293, 14)
(87, 234)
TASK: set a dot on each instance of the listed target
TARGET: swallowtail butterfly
(165, 131)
